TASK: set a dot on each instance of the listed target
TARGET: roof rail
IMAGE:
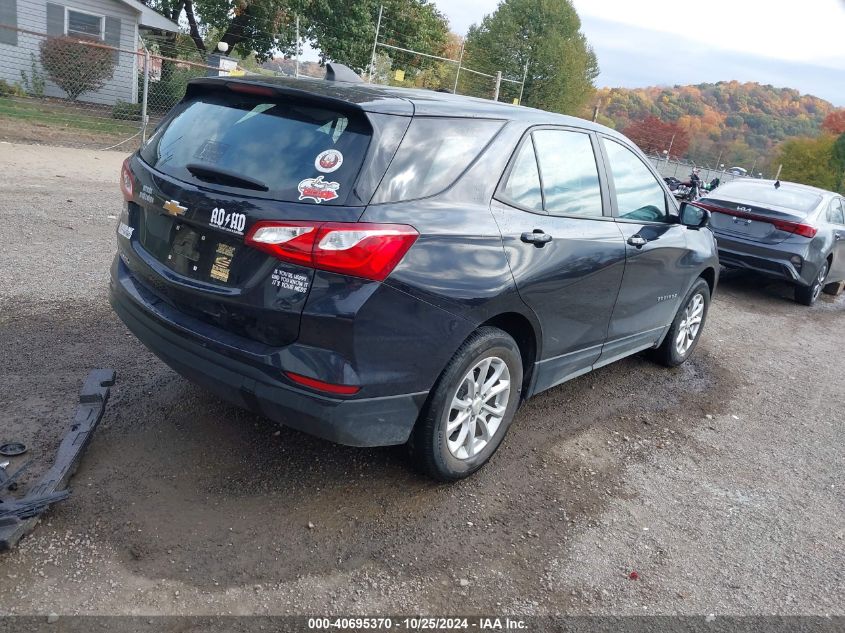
(339, 72)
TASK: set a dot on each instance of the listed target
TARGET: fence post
(522, 85)
(296, 73)
(458, 73)
(145, 95)
(375, 43)
(498, 84)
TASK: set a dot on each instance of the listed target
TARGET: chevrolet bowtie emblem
(174, 208)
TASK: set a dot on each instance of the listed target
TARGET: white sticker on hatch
(289, 281)
(317, 189)
(125, 231)
(328, 161)
(232, 222)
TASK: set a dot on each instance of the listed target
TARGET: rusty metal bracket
(18, 516)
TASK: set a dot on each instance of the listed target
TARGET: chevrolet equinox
(383, 266)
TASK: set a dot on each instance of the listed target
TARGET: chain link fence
(682, 169)
(77, 91)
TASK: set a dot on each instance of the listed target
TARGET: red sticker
(318, 189)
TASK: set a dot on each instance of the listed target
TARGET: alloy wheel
(478, 407)
(690, 324)
(817, 287)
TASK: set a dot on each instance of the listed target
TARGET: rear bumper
(766, 259)
(246, 376)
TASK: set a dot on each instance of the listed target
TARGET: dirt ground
(720, 483)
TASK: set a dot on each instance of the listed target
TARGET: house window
(81, 24)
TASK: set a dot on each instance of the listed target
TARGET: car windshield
(282, 148)
(766, 195)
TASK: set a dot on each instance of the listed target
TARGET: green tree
(839, 162)
(545, 35)
(343, 31)
(810, 161)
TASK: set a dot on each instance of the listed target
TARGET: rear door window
(639, 195)
(569, 173)
(271, 148)
(433, 154)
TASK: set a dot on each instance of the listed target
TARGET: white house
(24, 24)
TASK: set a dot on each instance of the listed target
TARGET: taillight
(805, 230)
(796, 228)
(370, 251)
(313, 383)
(126, 180)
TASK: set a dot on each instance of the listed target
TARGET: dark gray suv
(383, 266)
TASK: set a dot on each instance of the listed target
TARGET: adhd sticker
(317, 189)
(328, 161)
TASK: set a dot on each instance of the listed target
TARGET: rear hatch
(759, 212)
(233, 154)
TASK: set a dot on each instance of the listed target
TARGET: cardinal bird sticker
(328, 161)
(317, 189)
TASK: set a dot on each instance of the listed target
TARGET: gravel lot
(720, 483)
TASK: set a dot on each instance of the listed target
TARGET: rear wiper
(225, 177)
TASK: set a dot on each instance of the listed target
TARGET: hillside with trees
(742, 123)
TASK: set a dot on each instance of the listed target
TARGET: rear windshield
(433, 154)
(286, 151)
(765, 195)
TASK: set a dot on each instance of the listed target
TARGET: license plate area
(194, 252)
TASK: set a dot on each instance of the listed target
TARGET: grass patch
(53, 113)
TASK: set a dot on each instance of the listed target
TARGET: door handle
(537, 237)
(637, 240)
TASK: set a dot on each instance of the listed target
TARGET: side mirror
(694, 216)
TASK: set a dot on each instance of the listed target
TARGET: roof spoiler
(339, 72)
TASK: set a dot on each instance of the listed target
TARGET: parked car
(781, 229)
(380, 266)
(737, 171)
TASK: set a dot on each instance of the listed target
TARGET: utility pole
(595, 113)
(498, 84)
(296, 73)
(375, 43)
(669, 152)
(458, 74)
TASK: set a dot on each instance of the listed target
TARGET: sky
(640, 43)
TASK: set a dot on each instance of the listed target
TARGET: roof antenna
(777, 184)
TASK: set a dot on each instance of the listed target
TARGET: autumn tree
(835, 122)
(75, 66)
(653, 136)
(545, 35)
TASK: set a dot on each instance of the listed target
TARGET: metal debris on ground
(20, 515)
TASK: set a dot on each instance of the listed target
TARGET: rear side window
(523, 186)
(836, 214)
(433, 154)
(569, 173)
(283, 150)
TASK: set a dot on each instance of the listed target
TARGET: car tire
(453, 437)
(674, 350)
(807, 295)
